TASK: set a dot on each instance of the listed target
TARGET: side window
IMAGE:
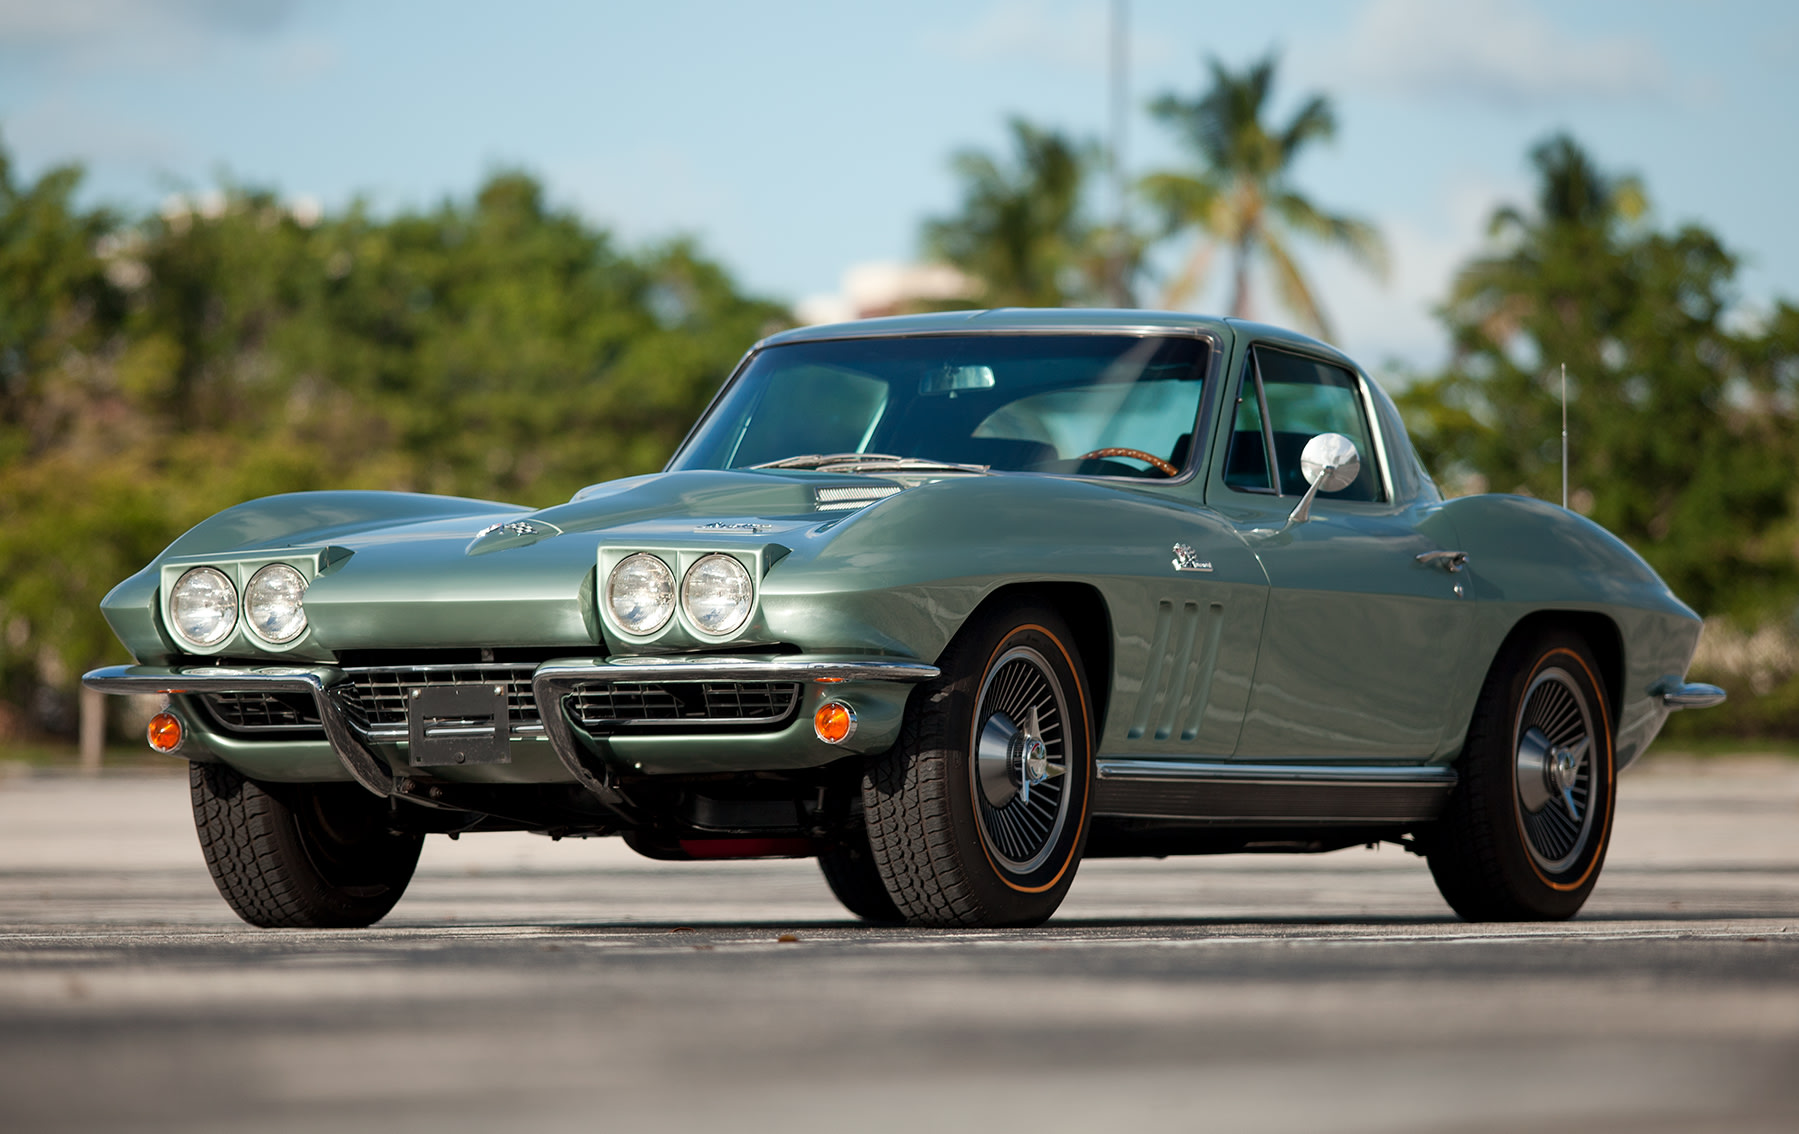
(1301, 398)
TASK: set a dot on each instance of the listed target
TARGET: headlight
(641, 593)
(203, 606)
(272, 603)
(716, 594)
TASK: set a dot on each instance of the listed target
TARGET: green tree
(1681, 418)
(1021, 231)
(154, 372)
(1241, 196)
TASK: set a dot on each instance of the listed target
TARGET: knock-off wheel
(1525, 832)
(978, 815)
(1153, 461)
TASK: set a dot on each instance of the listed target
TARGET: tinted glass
(1306, 398)
(1025, 403)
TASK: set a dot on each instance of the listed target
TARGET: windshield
(1021, 403)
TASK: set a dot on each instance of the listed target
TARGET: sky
(798, 139)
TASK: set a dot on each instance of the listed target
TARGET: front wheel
(1525, 831)
(312, 856)
(978, 815)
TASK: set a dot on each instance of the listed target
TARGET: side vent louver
(1182, 656)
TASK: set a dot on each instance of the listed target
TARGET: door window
(1287, 400)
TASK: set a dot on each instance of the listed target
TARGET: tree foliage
(1240, 196)
(1681, 413)
(153, 371)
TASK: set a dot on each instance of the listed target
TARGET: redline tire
(956, 835)
(310, 856)
(1515, 842)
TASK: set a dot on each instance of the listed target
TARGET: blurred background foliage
(156, 369)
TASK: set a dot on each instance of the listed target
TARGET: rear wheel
(1525, 832)
(315, 856)
(978, 815)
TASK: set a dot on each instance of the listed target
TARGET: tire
(315, 856)
(849, 868)
(1524, 834)
(957, 837)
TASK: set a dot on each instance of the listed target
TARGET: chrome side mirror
(1329, 463)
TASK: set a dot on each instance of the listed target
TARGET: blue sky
(795, 139)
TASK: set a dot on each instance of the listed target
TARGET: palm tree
(1241, 197)
(1020, 231)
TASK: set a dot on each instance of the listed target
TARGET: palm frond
(1291, 286)
(1360, 239)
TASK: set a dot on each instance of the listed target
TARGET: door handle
(1452, 561)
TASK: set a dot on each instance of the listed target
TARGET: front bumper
(581, 755)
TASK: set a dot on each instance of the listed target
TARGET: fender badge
(1186, 559)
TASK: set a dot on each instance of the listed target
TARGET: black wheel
(849, 867)
(978, 815)
(1525, 832)
(316, 856)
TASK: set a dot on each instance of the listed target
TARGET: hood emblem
(510, 527)
(1186, 559)
(748, 529)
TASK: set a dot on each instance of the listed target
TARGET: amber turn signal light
(835, 722)
(165, 732)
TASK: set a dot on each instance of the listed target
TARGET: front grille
(379, 707)
(712, 703)
(261, 712)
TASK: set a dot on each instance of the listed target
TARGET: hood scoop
(846, 498)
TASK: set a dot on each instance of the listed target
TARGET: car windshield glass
(1023, 403)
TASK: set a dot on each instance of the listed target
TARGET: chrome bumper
(552, 682)
(1688, 695)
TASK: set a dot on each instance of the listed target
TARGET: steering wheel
(1149, 459)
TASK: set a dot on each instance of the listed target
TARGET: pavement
(525, 984)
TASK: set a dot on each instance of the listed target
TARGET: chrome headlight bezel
(267, 577)
(724, 573)
(183, 588)
(660, 593)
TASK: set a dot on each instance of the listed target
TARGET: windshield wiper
(868, 462)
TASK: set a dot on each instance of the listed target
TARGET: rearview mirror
(1329, 463)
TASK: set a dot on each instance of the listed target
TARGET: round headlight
(272, 603)
(641, 593)
(716, 594)
(203, 606)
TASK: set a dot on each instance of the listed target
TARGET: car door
(1363, 643)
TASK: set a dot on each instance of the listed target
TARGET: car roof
(1005, 319)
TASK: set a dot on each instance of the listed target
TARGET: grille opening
(714, 703)
(262, 712)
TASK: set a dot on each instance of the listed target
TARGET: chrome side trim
(1227, 772)
(1689, 695)
(323, 683)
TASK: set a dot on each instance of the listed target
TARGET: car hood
(401, 571)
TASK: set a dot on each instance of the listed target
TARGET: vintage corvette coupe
(947, 602)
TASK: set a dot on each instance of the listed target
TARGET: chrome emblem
(750, 529)
(1186, 559)
(510, 527)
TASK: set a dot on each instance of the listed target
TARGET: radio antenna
(1564, 436)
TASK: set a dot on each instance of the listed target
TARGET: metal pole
(1564, 435)
(1119, 98)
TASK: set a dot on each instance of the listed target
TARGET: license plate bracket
(458, 724)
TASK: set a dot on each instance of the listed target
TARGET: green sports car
(948, 602)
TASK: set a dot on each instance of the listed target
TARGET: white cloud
(1497, 51)
(1068, 35)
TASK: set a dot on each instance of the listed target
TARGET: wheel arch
(1089, 621)
(1600, 633)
